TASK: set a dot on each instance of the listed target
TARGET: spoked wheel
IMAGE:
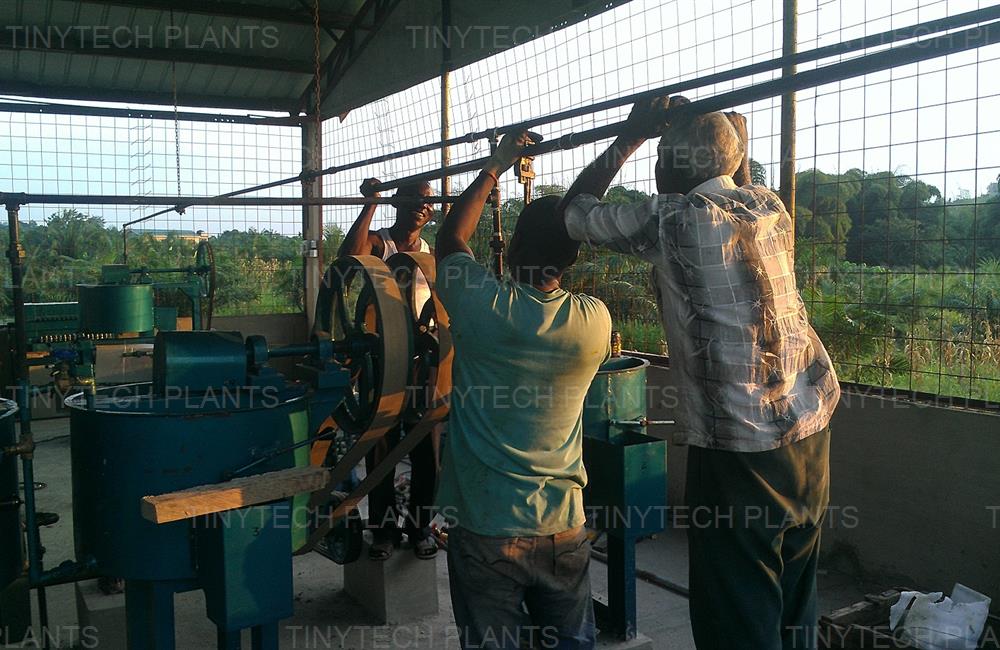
(360, 304)
(205, 257)
(366, 309)
(430, 376)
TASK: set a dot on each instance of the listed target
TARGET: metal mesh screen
(897, 204)
(257, 249)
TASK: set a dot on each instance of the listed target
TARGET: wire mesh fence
(897, 207)
(257, 249)
(898, 213)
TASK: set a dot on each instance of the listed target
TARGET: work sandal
(381, 550)
(425, 548)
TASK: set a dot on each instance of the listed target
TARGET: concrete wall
(278, 329)
(915, 491)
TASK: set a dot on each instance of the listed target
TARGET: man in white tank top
(403, 235)
(412, 214)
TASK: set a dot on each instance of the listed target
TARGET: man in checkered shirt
(756, 387)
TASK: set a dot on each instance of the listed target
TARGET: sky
(936, 120)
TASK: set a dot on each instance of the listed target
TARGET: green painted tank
(116, 308)
(133, 442)
(618, 392)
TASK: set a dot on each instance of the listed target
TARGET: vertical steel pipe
(789, 47)
(26, 444)
(445, 102)
(312, 217)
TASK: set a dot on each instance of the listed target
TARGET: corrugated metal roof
(250, 54)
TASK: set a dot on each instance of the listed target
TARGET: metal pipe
(496, 242)
(789, 45)
(48, 108)
(187, 201)
(445, 101)
(312, 218)
(853, 45)
(903, 55)
(293, 350)
(26, 443)
(648, 576)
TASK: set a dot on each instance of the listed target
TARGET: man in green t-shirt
(512, 481)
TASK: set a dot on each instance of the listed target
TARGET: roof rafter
(180, 55)
(350, 45)
(27, 89)
(249, 11)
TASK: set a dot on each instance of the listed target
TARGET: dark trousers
(753, 538)
(522, 592)
(424, 466)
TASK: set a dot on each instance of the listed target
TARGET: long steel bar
(906, 54)
(188, 201)
(789, 43)
(48, 108)
(838, 49)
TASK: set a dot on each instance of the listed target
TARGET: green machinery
(627, 481)
(213, 408)
(119, 309)
(217, 414)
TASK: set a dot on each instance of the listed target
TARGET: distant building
(186, 235)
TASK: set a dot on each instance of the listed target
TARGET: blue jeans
(522, 592)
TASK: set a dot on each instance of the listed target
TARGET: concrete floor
(325, 617)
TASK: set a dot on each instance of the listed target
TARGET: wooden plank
(858, 612)
(237, 493)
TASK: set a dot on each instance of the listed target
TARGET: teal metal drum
(132, 442)
(198, 361)
(115, 308)
(627, 469)
(617, 393)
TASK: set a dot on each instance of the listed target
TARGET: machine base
(399, 590)
(101, 615)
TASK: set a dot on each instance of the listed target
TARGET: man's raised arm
(643, 123)
(358, 240)
(460, 224)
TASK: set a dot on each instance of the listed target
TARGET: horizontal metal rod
(846, 47)
(190, 201)
(870, 63)
(46, 108)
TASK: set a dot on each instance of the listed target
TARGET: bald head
(697, 149)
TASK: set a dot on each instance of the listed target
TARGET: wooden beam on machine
(230, 495)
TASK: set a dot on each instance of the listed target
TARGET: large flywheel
(360, 304)
(354, 310)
